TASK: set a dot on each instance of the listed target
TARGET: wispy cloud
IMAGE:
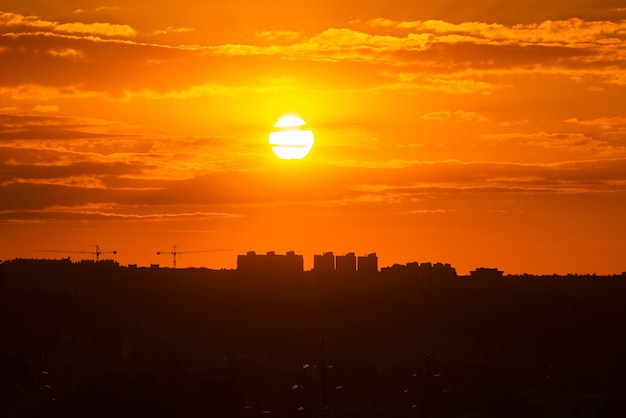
(427, 212)
(46, 108)
(279, 35)
(333, 44)
(457, 116)
(99, 29)
(411, 57)
(171, 29)
(592, 176)
(8, 19)
(71, 53)
(16, 20)
(451, 84)
(98, 9)
(602, 122)
(398, 42)
(108, 212)
(206, 90)
(47, 93)
(570, 32)
(565, 141)
(557, 46)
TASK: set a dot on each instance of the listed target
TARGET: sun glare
(289, 140)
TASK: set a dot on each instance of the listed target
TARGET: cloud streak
(410, 57)
(105, 213)
(19, 21)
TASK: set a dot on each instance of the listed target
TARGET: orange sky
(490, 133)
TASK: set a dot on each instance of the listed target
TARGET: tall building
(270, 263)
(324, 263)
(294, 263)
(368, 263)
(345, 263)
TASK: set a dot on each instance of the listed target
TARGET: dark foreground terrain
(99, 340)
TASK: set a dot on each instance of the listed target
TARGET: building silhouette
(485, 273)
(423, 274)
(368, 264)
(348, 263)
(270, 263)
(345, 263)
(324, 263)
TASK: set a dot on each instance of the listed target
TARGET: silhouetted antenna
(174, 252)
(95, 253)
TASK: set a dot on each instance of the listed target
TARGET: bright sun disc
(289, 140)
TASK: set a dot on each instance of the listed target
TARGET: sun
(289, 140)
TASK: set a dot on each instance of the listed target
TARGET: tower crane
(174, 252)
(95, 253)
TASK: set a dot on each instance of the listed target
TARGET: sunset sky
(481, 134)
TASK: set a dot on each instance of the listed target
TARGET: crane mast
(175, 253)
(96, 253)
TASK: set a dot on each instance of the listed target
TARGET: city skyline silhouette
(327, 261)
(268, 338)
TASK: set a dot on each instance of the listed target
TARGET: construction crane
(95, 253)
(174, 252)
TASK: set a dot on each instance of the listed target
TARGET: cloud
(427, 212)
(87, 172)
(412, 57)
(9, 20)
(334, 44)
(71, 53)
(279, 35)
(565, 42)
(47, 93)
(98, 29)
(12, 122)
(119, 183)
(98, 9)
(451, 84)
(39, 147)
(109, 212)
(553, 44)
(602, 122)
(106, 8)
(206, 90)
(572, 32)
(457, 116)
(17, 135)
(46, 108)
(428, 180)
(266, 85)
(570, 142)
(171, 29)
(442, 115)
